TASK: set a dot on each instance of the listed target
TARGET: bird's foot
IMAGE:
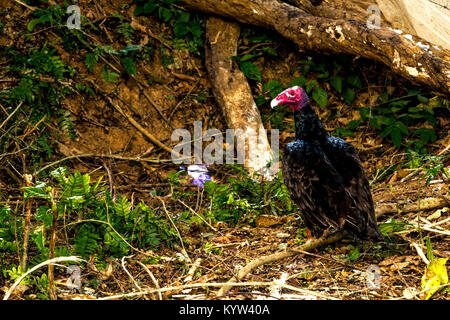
(326, 233)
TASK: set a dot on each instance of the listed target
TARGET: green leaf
(324, 75)
(349, 95)
(149, 7)
(386, 131)
(230, 199)
(247, 57)
(414, 109)
(270, 50)
(272, 84)
(38, 191)
(44, 214)
(311, 84)
(364, 113)
(32, 24)
(355, 81)
(122, 207)
(180, 29)
(353, 255)
(343, 132)
(430, 255)
(91, 60)
(166, 14)
(392, 225)
(250, 70)
(299, 81)
(129, 65)
(396, 137)
(183, 16)
(422, 99)
(336, 83)
(130, 47)
(260, 101)
(195, 28)
(352, 125)
(426, 135)
(320, 96)
(402, 127)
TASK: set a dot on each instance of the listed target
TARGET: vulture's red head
(294, 97)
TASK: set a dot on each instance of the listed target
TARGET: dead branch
(93, 155)
(425, 65)
(316, 243)
(216, 284)
(26, 229)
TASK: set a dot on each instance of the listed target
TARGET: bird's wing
(315, 185)
(345, 160)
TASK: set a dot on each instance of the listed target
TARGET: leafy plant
(102, 225)
(393, 117)
(187, 28)
(244, 198)
(250, 70)
(124, 28)
(109, 76)
(41, 87)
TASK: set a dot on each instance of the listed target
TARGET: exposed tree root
(412, 58)
(233, 93)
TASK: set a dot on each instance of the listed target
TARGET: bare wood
(155, 282)
(429, 68)
(429, 19)
(232, 91)
(216, 284)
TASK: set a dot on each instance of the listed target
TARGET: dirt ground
(324, 273)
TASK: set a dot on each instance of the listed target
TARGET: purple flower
(199, 173)
(200, 180)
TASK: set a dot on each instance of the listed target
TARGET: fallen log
(412, 58)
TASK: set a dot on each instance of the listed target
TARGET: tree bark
(412, 58)
(233, 93)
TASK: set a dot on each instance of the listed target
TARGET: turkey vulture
(324, 175)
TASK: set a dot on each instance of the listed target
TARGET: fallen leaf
(435, 275)
(265, 221)
(437, 213)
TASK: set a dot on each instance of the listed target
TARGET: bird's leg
(308, 234)
(326, 232)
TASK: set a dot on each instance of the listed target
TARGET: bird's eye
(291, 93)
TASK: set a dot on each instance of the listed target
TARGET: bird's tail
(373, 233)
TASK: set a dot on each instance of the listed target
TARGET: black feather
(326, 179)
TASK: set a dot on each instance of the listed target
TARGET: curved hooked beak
(275, 102)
